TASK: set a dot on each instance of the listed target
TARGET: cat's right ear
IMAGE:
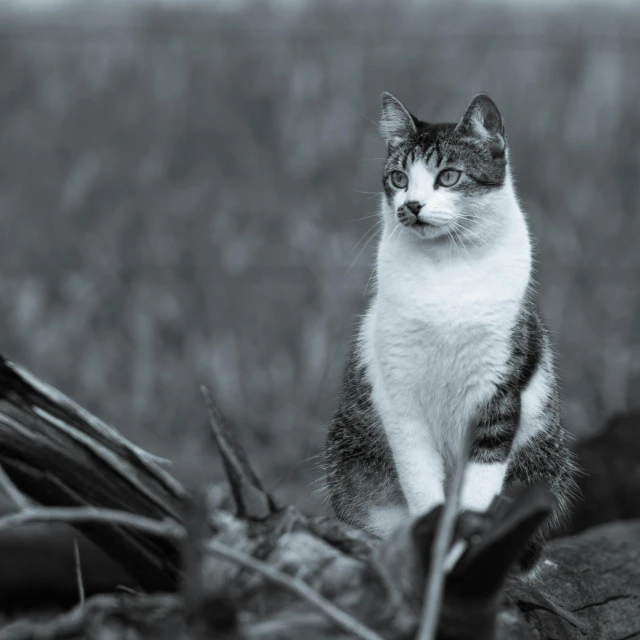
(396, 123)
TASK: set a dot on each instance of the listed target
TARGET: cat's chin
(425, 230)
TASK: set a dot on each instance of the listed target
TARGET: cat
(452, 335)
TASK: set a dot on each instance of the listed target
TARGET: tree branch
(74, 515)
(252, 501)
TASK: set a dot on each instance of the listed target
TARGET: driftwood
(262, 571)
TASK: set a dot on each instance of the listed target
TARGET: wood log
(248, 572)
(58, 454)
(596, 576)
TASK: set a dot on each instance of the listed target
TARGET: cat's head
(443, 180)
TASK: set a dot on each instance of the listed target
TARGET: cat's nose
(414, 206)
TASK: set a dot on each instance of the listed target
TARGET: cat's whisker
(371, 275)
(398, 240)
(470, 219)
(375, 124)
(371, 237)
(462, 230)
(366, 288)
(473, 233)
(371, 194)
(454, 231)
(469, 263)
(373, 215)
(467, 219)
(467, 216)
(364, 235)
(388, 240)
(453, 242)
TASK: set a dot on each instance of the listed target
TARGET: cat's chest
(441, 345)
(442, 355)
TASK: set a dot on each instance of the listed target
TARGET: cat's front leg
(487, 467)
(482, 483)
(418, 464)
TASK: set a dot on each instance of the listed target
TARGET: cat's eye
(399, 179)
(448, 177)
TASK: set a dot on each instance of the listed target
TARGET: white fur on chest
(436, 338)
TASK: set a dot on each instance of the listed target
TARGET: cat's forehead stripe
(423, 151)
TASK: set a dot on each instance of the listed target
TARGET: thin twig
(12, 491)
(76, 557)
(286, 624)
(296, 586)
(172, 530)
(444, 533)
(75, 515)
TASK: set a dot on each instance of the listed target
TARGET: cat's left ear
(483, 121)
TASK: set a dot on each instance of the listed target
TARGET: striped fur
(452, 333)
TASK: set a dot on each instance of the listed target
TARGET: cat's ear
(396, 123)
(483, 121)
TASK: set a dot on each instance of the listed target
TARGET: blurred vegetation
(182, 196)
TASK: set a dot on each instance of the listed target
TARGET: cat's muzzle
(408, 215)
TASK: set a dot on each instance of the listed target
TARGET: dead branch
(252, 501)
(79, 515)
(59, 455)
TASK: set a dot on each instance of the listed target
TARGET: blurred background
(186, 193)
